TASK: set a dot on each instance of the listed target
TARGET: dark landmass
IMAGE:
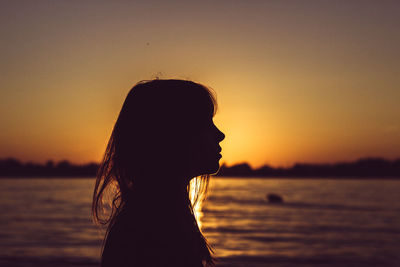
(11, 167)
(362, 168)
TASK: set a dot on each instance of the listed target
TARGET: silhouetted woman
(164, 136)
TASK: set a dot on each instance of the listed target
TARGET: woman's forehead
(172, 98)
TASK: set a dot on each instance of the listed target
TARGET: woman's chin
(211, 168)
(207, 167)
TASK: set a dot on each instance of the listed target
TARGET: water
(326, 222)
(320, 223)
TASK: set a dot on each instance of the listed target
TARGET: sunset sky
(296, 81)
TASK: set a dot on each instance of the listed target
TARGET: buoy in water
(274, 198)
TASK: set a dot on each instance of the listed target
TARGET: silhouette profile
(164, 137)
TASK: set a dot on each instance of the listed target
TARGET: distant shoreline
(365, 168)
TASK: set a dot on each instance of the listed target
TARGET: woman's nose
(220, 135)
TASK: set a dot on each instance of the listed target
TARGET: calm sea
(322, 222)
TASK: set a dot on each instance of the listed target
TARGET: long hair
(174, 107)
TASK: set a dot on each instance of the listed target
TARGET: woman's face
(206, 150)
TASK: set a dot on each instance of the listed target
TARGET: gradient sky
(296, 81)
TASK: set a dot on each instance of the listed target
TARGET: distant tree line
(366, 167)
(11, 167)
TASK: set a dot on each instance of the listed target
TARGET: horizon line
(222, 164)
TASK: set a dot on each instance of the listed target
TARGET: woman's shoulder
(132, 238)
(122, 241)
(141, 239)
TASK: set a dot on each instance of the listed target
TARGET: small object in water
(274, 198)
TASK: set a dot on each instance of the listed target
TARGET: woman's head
(166, 126)
(163, 137)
